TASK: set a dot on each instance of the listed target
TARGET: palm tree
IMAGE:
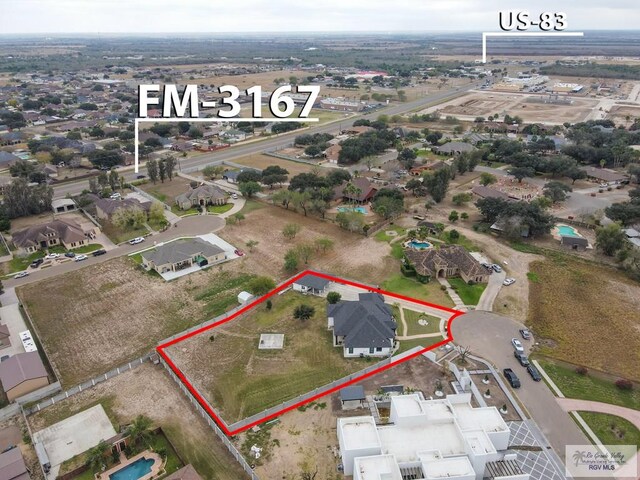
(140, 429)
(95, 456)
(351, 191)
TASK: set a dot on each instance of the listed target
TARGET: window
(371, 350)
(350, 351)
(379, 349)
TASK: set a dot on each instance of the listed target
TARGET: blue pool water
(133, 471)
(361, 210)
(417, 245)
(567, 231)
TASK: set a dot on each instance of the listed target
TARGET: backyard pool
(362, 210)
(418, 245)
(134, 471)
(567, 231)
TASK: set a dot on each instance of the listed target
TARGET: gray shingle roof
(180, 250)
(353, 392)
(364, 323)
(313, 281)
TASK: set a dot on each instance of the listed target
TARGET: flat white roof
(407, 405)
(405, 442)
(376, 468)
(447, 468)
(479, 442)
(359, 432)
(485, 418)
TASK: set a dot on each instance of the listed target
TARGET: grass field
(419, 342)
(575, 308)
(241, 380)
(218, 209)
(103, 315)
(166, 192)
(409, 287)
(612, 430)
(118, 235)
(470, 294)
(412, 317)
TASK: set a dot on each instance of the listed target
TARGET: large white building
(429, 439)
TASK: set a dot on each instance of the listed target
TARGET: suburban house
(359, 190)
(185, 473)
(7, 159)
(201, 195)
(364, 327)
(5, 336)
(454, 148)
(431, 166)
(180, 254)
(444, 262)
(488, 192)
(12, 466)
(106, 207)
(311, 284)
(332, 153)
(21, 374)
(57, 232)
(604, 175)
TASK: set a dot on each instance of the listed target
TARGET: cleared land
(620, 113)
(239, 380)
(586, 315)
(167, 192)
(149, 390)
(101, 316)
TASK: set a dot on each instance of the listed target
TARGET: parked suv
(36, 263)
(535, 374)
(511, 377)
(97, 253)
(522, 358)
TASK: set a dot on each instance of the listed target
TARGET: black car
(513, 379)
(535, 374)
(97, 253)
(524, 361)
(140, 177)
(37, 262)
(69, 254)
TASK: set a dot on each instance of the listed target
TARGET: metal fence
(28, 410)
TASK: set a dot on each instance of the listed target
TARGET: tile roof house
(364, 327)
(57, 232)
(365, 190)
(12, 466)
(446, 261)
(453, 148)
(185, 473)
(604, 175)
(488, 192)
(180, 254)
(22, 374)
(202, 195)
(106, 207)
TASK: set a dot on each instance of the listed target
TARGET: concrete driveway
(489, 336)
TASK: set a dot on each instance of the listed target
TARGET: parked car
(140, 177)
(97, 253)
(496, 268)
(535, 374)
(526, 334)
(21, 275)
(522, 358)
(511, 377)
(487, 266)
(69, 254)
(517, 345)
(37, 262)
(79, 258)
(239, 252)
(234, 196)
(4, 357)
(51, 256)
(509, 281)
(137, 240)
(115, 196)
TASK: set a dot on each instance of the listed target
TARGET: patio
(156, 469)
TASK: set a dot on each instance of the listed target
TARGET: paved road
(281, 141)
(188, 226)
(491, 292)
(489, 336)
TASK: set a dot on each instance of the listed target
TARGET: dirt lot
(167, 192)
(102, 316)
(619, 114)
(261, 162)
(353, 256)
(244, 380)
(577, 309)
(149, 390)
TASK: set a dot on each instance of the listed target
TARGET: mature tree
(351, 220)
(140, 430)
(282, 197)
(129, 218)
(610, 239)
(290, 260)
(324, 244)
(162, 170)
(337, 177)
(461, 198)
(261, 285)
(437, 183)
(556, 191)
(574, 173)
(407, 158)
(212, 171)
(453, 216)
(333, 297)
(22, 199)
(22, 168)
(290, 230)
(156, 213)
(634, 171)
(453, 235)
(249, 176)
(169, 165)
(249, 189)
(520, 173)
(96, 456)
(626, 212)
(303, 312)
(152, 170)
(114, 179)
(487, 178)
(105, 158)
(304, 251)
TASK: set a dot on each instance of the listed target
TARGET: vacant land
(586, 315)
(240, 380)
(167, 191)
(102, 316)
(149, 390)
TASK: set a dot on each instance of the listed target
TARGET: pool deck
(156, 468)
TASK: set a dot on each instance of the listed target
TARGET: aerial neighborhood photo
(356, 240)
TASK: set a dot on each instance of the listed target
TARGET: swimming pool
(133, 471)
(417, 245)
(362, 210)
(567, 231)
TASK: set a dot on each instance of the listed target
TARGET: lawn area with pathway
(413, 319)
(611, 429)
(238, 379)
(407, 286)
(470, 294)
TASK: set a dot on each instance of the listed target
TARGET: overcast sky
(214, 16)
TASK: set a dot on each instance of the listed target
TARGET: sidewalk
(459, 304)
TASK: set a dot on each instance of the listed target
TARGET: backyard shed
(352, 397)
(244, 297)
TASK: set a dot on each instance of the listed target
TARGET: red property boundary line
(221, 423)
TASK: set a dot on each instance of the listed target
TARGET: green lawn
(382, 236)
(178, 211)
(590, 386)
(470, 294)
(430, 292)
(422, 342)
(118, 235)
(218, 209)
(412, 317)
(462, 240)
(612, 430)
(250, 206)
(17, 264)
(3, 248)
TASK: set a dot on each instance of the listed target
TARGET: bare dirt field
(262, 161)
(619, 114)
(168, 190)
(149, 390)
(100, 317)
(483, 104)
